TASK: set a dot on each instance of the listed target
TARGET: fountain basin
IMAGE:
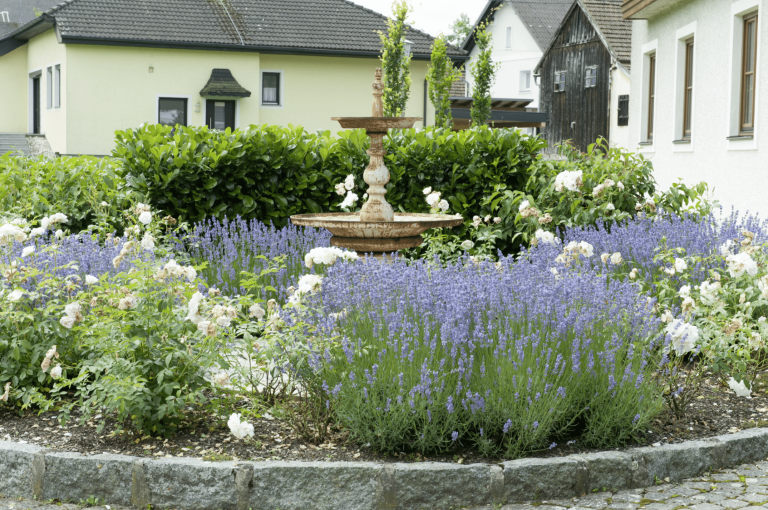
(376, 125)
(376, 236)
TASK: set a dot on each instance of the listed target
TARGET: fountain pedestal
(376, 228)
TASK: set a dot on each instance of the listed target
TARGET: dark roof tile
(616, 30)
(542, 17)
(300, 24)
(223, 84)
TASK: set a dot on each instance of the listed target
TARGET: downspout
(424, 122)
(610, 87)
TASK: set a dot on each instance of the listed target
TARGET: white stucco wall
(13, 91)
(43, 52)
(522, 56)
(735, 168)
(620, 85)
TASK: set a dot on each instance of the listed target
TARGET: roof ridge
(410, 27)
(58, 7)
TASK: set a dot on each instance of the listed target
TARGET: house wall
(620, 85)
(578, 114)
(42, 52)
(319, 88)
(523, 56)
(111, 88)
(13, 91)
(735, 168)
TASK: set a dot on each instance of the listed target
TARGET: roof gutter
(21, 35)
(230, 47)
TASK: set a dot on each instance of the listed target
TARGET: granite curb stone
(193, 484)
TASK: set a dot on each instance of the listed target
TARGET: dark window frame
(748, 127)
(623, 113)
(688, 90)
(587, 77)
(185, 110)
(560, 84)
(651, 95)
(278, 101)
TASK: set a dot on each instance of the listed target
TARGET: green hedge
(31, 188)
(272, 172)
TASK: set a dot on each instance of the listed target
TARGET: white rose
(256, 311)
(145, 217)
(190, 273)
(148, 242)
(59, 234)
(604, 257)
(27, 251)
(616, 258)
(90, 280)
(739, 388)
(684, 291)
(56, 372)
(684, 336)
(14, 295)
(610, 207)
(443, 205)
(349, 182)
(467, 245)
(67, 321)
(680, 265)
(546, 237)
(586, 249)
(428, 190)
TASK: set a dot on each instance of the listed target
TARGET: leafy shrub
(270, 173)
(31, 188)
(608, 185)
(507, 358)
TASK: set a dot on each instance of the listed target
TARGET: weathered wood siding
(578, 114)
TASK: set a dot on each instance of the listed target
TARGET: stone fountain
(376, 228)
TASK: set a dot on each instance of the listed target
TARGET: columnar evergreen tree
(395, 63)
(483, 74)
(440, 77)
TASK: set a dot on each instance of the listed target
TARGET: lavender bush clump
(505, 357)
(232, 246)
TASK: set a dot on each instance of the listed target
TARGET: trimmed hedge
(272, 172)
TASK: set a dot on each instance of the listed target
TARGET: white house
(695, 94)
(521, 31)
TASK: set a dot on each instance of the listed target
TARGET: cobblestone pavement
(729, 489)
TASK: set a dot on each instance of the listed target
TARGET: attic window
(559, 81)
(4, 17)
(509, 37)
(590, 77)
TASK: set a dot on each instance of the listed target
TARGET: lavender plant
(233, 246)
(508, 358)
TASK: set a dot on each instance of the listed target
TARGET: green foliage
(440, 77)
(270, 172)
(395, 63)
(614, 185)
(483, 72)
(31, 188)
(460, 29)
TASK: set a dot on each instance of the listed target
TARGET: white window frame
(739, 9)
(49, 87)
(525, 76)
(509, 37)
(649, 49)
(595, 67)
(57, 85)
(5, 17)
(173, 96)
(565, 82)
(682, 36)
(281, 92)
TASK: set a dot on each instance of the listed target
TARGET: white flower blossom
(433, 199)
(610, 207)
(684, 335)
(56, 371)
(6, 393)
(726, 248)
(467, 245)
(224, 321)
(680, 265)
(27, 251)
(90, 279)
(667, 316)
(684, 291)
(240, 429)
(739, 388)
(222, 378)
(194, 308)
(67, 321)
(14, 295)
(59, 234)
(349, 182)
(616, 258)
(443, 205)
(148, 242)
(546, 237)
(428, 190)
(349, 200)
(568, 180)
(256, 311)
(740, 264)
(145, 217)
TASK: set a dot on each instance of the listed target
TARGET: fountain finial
(377, 109)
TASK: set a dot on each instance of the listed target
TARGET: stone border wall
(192, 484)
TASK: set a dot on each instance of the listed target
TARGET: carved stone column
(376, 175)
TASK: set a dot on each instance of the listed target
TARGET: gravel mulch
(716, 411)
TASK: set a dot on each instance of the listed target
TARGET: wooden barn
(583, 76)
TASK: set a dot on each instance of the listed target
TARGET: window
(525, 81)
(172, 111)
(651, 95)
(49, 88)
(4, 17)
(270, 88)
(559, 81)
(623, 110)
(688, 90)
(748, 66)
(57, 86)
(509, 37)
(590, 77)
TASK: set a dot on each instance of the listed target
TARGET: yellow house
(86, 68)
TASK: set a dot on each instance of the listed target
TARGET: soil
(717, 410)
